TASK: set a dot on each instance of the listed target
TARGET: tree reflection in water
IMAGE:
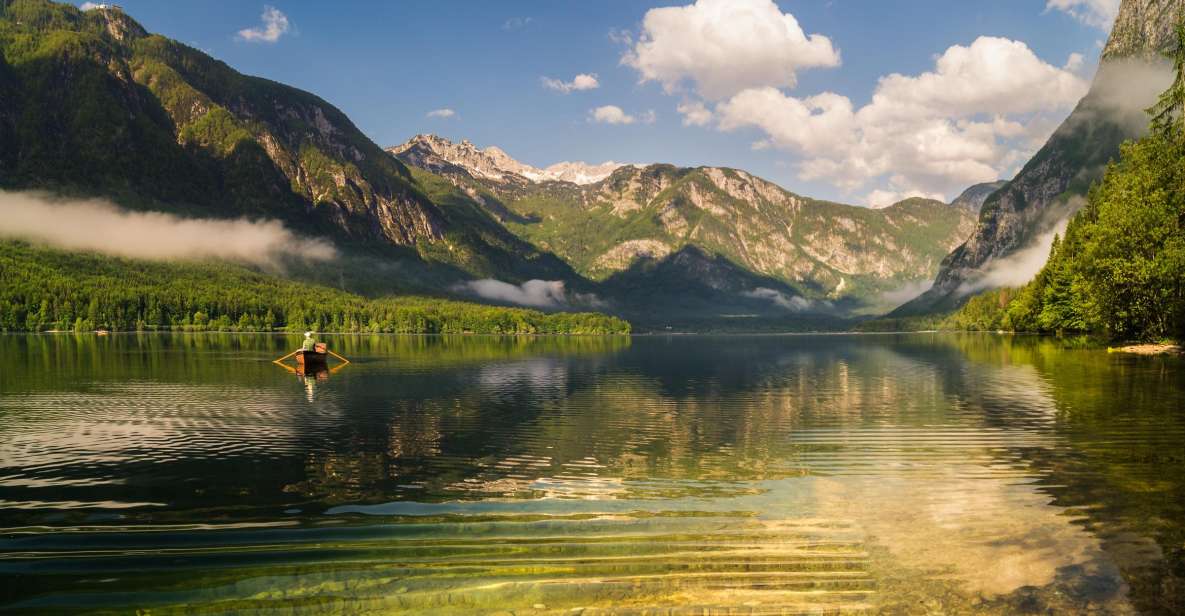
(960, 473)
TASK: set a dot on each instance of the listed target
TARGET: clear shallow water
(796, 474)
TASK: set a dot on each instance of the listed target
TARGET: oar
(344, 360)
(281, 360)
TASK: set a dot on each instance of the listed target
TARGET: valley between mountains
(729, 235)
(95, 107)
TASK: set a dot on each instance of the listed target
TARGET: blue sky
(388, 64)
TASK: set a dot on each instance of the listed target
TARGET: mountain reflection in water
(753, 474)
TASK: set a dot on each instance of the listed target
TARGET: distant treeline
(43, 289)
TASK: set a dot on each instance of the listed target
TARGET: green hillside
(1052, 185)
(638, 215)
(1120, 269)
(91, 104)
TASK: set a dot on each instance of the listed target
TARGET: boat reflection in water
(312, 366)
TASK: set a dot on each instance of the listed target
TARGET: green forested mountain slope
(1050, 186)
(92, 104)
(1120, 269)
(104, 105)
(642, 214)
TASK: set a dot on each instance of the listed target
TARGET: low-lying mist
(1018, 268)
(906, 292)
(532, 293)
(99, 226)
(795, 303)
(1123, 89)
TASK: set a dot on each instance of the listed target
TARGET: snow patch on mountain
(492, 163)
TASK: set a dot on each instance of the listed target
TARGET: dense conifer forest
(44, 289)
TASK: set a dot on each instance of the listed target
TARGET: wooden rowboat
(315, 359)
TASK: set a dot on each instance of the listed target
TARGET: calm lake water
(777, 474)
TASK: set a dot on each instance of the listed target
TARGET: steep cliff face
(639, 216)
(1049, 188)
(1143, 29)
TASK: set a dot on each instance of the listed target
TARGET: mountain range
(635, 217)
(93, 105)
(974, 197)
(442, 156)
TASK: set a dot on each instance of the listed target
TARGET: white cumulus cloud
(993, 75)
(1098, 13)
(695, 113)
(981, 109)
(274, 25)
(612, 114)
(1074, 63)
(517, 23)
(725, 46)
(441, 113)
(583, 81)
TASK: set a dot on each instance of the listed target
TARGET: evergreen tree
(1120, 269)
(43, 288)
(1169, 111)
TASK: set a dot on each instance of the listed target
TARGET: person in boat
(310, 343)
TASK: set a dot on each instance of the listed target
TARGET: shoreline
(1148, 349)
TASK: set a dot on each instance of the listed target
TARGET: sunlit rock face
(440, 155)
(1143, 28)
(1132, 72)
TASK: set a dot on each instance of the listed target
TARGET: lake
(921, 473)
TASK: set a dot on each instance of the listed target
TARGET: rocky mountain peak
(493, 163)
(120, 26)
(974, 197)
(583, 173)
